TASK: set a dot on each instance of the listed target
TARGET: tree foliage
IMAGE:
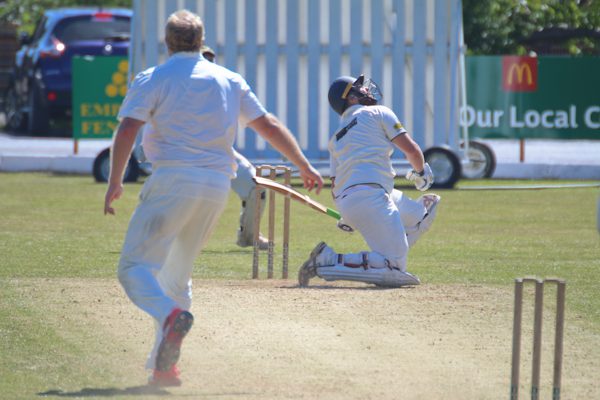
(511, 26)
(490, 26)
(25, 13)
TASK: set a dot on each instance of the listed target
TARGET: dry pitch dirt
(273, 340)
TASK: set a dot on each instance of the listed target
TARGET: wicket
(272, 174)
(537, 336)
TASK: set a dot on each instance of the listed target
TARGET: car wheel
(38, 120)
(482, 161)
(15, 119)
(445, 166)
(101, 169)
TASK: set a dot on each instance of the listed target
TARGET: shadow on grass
(145, 390)
(339, 287)
(235, 251)
(108, 392)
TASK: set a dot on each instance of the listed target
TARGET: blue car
(41, 86)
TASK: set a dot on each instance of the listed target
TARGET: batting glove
(422, 180)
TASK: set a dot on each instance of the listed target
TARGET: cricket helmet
(208, 53)
(367, 92)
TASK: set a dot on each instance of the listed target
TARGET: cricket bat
(295, 195)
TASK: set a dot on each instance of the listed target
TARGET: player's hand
(311, 178)
(113, 192)
(423, 179)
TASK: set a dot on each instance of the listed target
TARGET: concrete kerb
(23, 154)
(546, 171)
(544, 159)
(59, 164)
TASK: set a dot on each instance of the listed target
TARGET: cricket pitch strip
(269, 339)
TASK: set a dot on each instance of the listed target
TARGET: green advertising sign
(99, 86)
(533, 97)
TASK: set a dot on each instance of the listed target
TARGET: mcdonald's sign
(547, 97)
(519, 74)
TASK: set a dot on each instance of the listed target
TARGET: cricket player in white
(363, 189)
(193, 107)
(245, 187)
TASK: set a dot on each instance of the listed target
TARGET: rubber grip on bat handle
(334, 214)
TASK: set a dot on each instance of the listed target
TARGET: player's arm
(421, 174)
(274, 132)
(119, 157)
(398, 135)
(136, 108)
(411, 150)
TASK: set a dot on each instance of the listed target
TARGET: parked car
(40, 88)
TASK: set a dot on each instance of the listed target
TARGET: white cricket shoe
(243, 241)
(321, 255)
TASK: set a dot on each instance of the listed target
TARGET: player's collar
(186, 54)
(351, 109)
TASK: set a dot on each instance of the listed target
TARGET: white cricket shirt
(193, 107)
(361, 149)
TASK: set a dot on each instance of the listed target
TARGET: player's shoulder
(235, 79)
(233, 76)
(381, 110)
(374, 111)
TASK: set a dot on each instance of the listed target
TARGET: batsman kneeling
(363, 190)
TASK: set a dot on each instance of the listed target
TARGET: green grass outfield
(52, 226)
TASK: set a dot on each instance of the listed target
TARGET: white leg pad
(246, 232)
(385, 276)
(373, 259)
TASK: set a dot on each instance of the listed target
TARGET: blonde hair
(184, 32)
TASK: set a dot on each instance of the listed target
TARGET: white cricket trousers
(178, 210)
(381, 219)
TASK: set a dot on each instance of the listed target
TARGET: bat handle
(334, 214)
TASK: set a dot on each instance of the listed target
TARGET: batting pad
(384, 276)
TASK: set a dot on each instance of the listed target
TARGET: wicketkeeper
(245, 187)
(363, 189)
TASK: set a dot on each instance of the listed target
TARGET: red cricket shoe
(165, 378)
(177, 325)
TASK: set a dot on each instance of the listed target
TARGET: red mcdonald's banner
(519, 74)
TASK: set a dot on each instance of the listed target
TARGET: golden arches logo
(519, 71)
(519, 74)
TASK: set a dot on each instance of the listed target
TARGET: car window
(40, 29)
(92, 28)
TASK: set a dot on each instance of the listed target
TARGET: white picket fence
(289, 51)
